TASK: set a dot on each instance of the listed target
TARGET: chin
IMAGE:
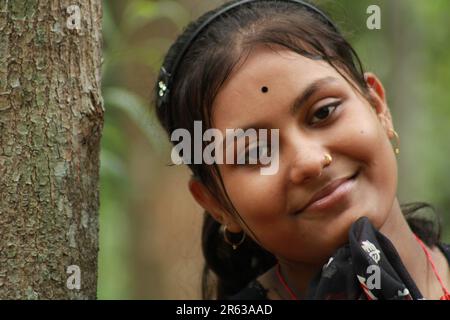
(376, 217)
(345, 221)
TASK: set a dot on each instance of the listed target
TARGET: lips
(327, 190)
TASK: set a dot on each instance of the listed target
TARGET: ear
(212, 206)
(378, 101)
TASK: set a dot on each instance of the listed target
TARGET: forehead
(285, 73)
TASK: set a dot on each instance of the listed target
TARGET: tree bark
(51, 117)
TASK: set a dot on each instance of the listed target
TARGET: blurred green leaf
(142, 12)
(112, 164)
(138, 111)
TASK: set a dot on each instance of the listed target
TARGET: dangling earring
(227, 240)
(397, 138)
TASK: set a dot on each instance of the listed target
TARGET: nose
(309, 162)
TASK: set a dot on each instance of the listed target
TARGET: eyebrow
(300, 101)
(309, 92)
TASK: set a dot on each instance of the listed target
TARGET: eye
(252, 154)
(323, 113)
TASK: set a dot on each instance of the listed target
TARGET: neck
(297, 276)
(396, 228)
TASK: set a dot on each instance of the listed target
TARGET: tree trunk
(51, 117)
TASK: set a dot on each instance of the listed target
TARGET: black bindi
(264, 89)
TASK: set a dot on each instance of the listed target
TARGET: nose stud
(328, 159)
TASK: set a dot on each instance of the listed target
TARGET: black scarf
(370, 258)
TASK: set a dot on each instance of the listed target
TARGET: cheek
(261, 203)
(363, 139)
(374, 150)
(367, 144)
(256, 197)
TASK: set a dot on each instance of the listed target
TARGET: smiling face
(333, 119)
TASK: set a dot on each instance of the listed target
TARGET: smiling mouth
(331, 195)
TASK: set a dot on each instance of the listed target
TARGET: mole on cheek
(264, 89)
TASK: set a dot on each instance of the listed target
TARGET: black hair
(204, 68)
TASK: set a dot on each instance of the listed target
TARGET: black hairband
(166, 77)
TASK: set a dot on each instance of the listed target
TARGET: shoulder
(253, 291)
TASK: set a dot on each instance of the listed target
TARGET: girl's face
(334, 119)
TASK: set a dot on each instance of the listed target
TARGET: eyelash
(333, 105)
(247, 154)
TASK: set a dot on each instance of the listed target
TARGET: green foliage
(135, 108)
(121, 22)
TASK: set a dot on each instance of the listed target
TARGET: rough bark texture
(51, 117)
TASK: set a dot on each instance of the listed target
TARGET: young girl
(284, 65)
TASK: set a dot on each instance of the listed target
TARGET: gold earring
(227, 240)
(397, 147)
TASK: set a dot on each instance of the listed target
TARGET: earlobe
(386, 122)
(210, 204)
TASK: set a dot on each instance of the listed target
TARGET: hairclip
(163, 86)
